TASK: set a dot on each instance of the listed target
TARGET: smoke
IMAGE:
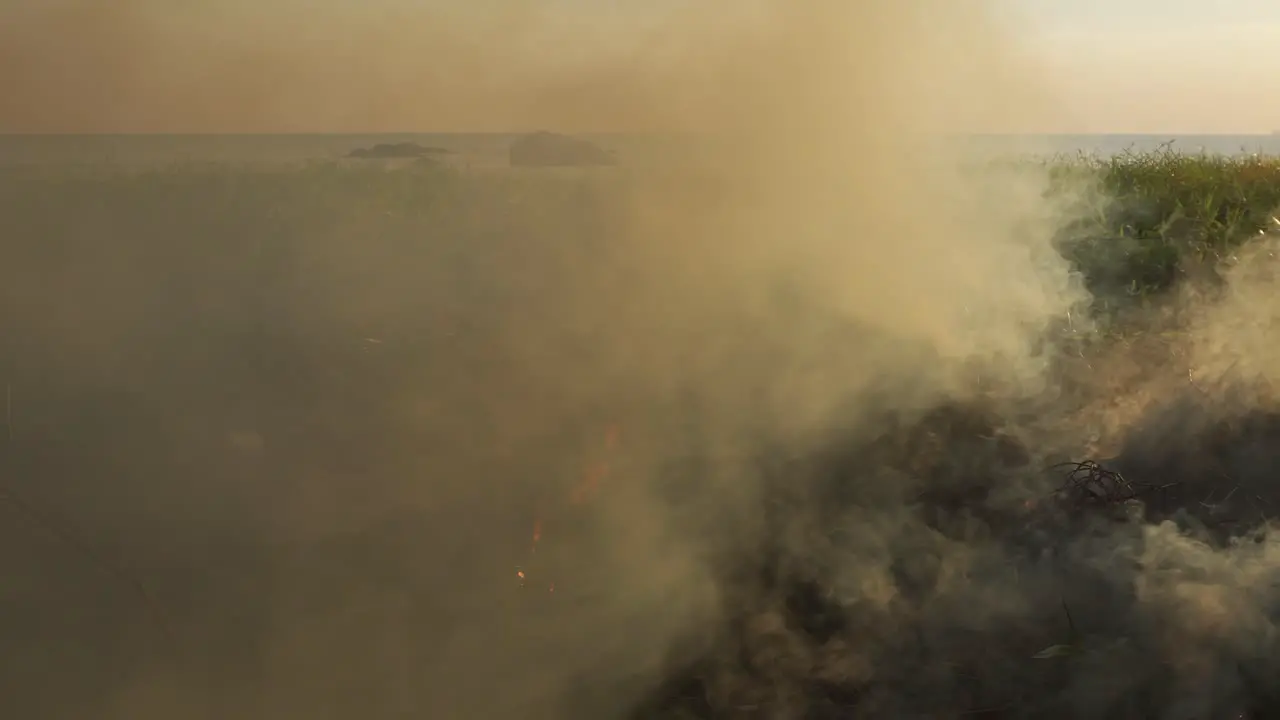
(811, 370)
(140, 66)
(825, 265)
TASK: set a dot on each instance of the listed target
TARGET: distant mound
(397, 150)
(545, 149)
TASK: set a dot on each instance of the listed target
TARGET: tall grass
(1156, 219)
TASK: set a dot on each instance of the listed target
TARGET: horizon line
(281, 133)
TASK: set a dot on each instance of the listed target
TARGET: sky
(1157, 66)
(1164, 65)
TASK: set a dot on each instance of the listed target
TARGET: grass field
(245, 386)
(1163, 212)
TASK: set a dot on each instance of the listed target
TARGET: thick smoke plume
(823, 361)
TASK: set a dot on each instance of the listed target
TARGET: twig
(1089, 482)
(1071, 624)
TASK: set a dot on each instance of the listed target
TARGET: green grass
(1154, 219)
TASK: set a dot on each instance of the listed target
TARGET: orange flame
(593, 473)
(590, 484)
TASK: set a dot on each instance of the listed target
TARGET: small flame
(595, 472)
(590, 484)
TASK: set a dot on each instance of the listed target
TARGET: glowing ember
(593, 474)
(590, 483)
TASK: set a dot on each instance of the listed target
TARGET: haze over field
(776, 427)
(1133, 66)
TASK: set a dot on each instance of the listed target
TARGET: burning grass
(1013, 586)
(1090, 550)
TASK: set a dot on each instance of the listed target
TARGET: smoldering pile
(939, 566)
(1094, 543)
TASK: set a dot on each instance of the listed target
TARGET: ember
(594, 472)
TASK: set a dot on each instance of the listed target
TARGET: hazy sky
(348, 65)
(1165, 65)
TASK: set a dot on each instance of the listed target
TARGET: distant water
(490, 149)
